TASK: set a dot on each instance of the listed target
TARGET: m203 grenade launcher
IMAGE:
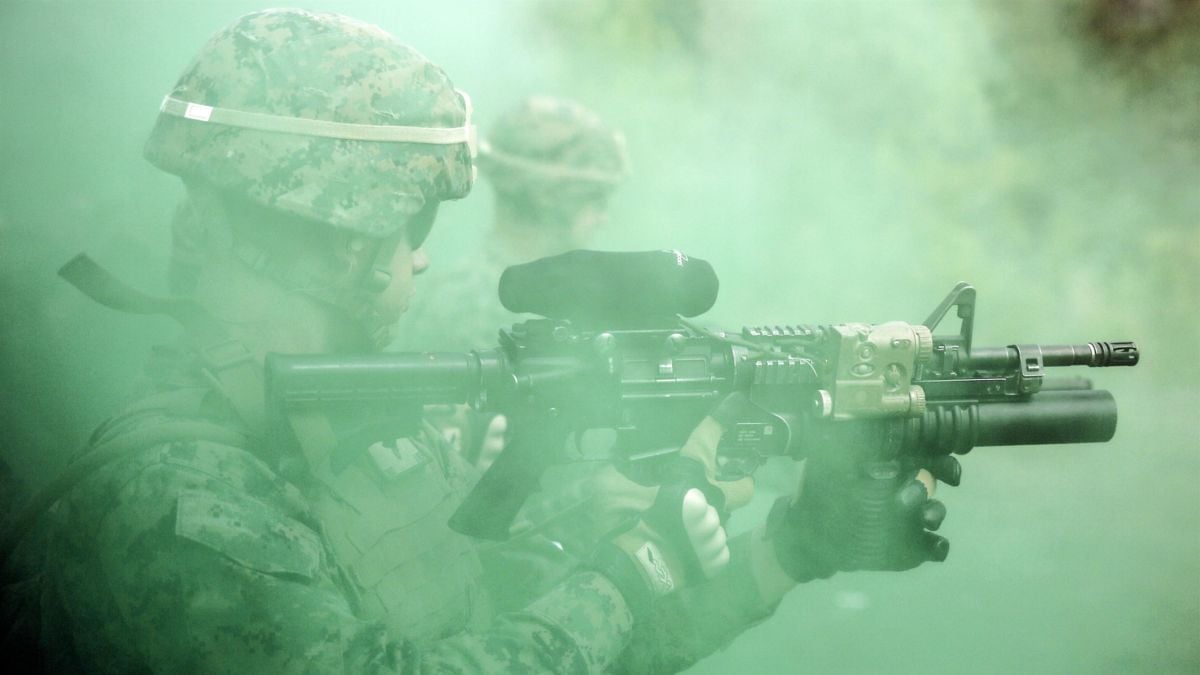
(865, 405)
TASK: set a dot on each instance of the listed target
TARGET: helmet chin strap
(226, 363)
(355, 296)
(359, 298)
(378, 276)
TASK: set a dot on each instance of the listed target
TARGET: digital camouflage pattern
(198, 556)
(320, 66)
(551, 151)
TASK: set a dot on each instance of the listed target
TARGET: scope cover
(611, 287)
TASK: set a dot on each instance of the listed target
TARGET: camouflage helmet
(318, 115)
(552, 143)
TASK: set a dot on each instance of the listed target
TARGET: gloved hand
(678, 542)
(882, 518)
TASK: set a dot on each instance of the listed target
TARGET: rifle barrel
(1091, 354)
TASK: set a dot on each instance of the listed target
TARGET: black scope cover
(610, 286)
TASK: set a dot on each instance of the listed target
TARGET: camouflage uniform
(207, 544)
(198, 555)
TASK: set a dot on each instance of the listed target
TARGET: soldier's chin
(380, 328)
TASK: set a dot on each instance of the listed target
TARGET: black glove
(877, 516)
(678, 542)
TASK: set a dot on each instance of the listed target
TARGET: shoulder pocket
(250, 533)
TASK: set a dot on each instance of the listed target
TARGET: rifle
(862, 403)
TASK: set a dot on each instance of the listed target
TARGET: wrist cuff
(614, 563)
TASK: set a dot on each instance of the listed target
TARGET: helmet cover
(288, 63)
(552, 144)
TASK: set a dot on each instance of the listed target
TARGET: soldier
(314, 150)
(553, 165)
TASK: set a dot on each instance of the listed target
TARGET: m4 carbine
(865, 404)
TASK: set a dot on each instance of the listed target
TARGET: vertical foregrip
(859, 515)
(875, 532)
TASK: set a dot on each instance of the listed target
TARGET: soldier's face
(591, 217)
(406, 264)
(392, 302)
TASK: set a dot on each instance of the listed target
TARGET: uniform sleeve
(580, 626)
(193, 575)
(683, 627)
